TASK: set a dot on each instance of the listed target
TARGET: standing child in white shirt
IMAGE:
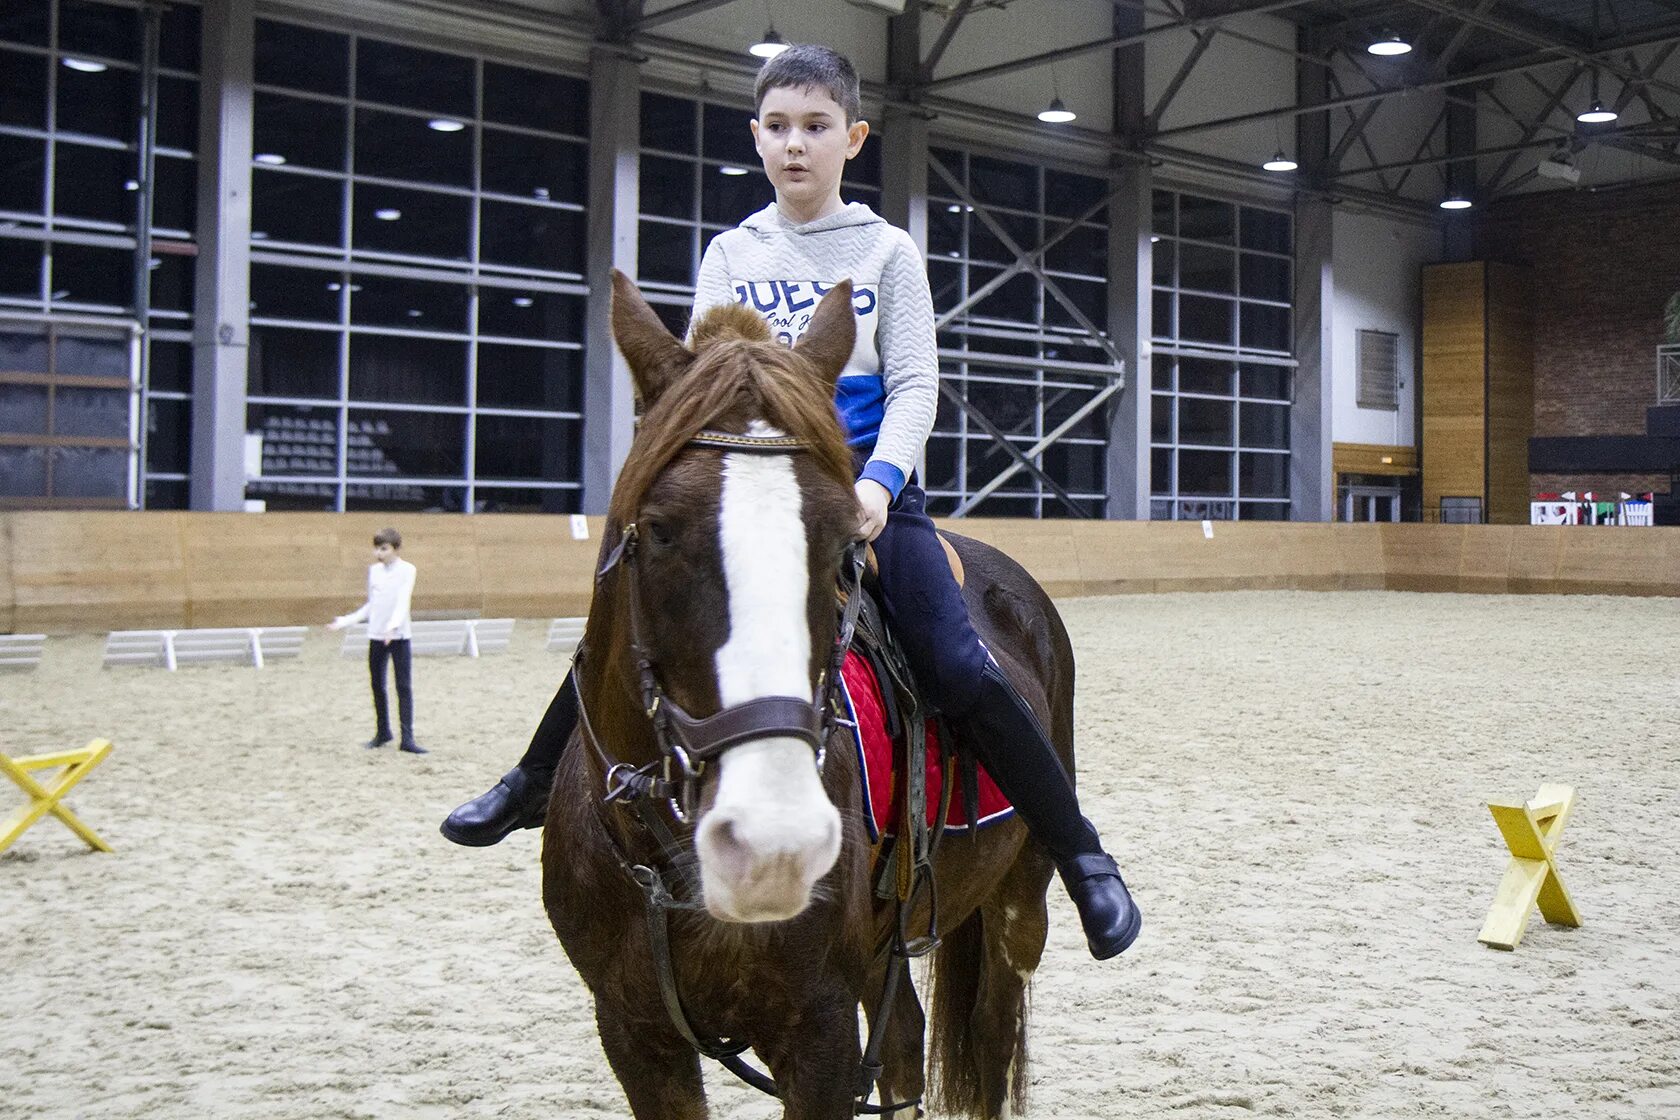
(386, 612)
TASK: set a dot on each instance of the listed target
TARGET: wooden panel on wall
(8, 600)
(1454, 382)
(1373, 458)
(1510, 402)
(105, 571)
(98, 571)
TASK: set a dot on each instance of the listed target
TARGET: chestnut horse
(716, 594)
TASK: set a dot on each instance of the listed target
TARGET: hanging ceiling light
(1280, 162)
(1057, 113)
(771, 45)
(1390, 46)
(1598, 114)
(1456, 202)
(85, 65)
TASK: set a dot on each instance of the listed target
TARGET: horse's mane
(738, 372)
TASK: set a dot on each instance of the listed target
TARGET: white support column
(1131, 266)
(1312, 486)
(615, 103)
(222, 282)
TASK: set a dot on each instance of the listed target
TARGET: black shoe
(1106, 910)
(519, 800)
(376, 742)
(412, 747)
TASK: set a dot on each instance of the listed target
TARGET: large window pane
(1204, 473)
(308, 294)
(90, 412)
(1265, 425)
(1206, 219)
(22, 174)
(177, 113)
(727, 198)
(1001, 182)
(667, 187)
(23, 410)
(1263, 476)
(296, 440)
(86, 274)
(301, 208)
(1207, 422)
(89, 28)
(1205, 319)
(94, 183)
(170, 368)
(414, 223)
(171, 282)
(302, 58)
(1089, 298)
(535, 99)
(175, 194)
(421, 304)
(413, 78)
(1203, 375)
(728, 135)
(23, 89)
(1270, 382)
(409, 370)
(534, 377)
(668, 124)
(25, 23)
(400, 496)
(541, 237)
(104, 104)
(1084, 250)
(1265, 277)
(23, 472)
(1265, 328)
(400, 146)
(302, 132)
(547, 316)
(1265, 229)
(1207, 269)
(89, 472)
(515, 163)
(287, 362)
(1070, 195)
(168, 435)
(527, 499)
(520, 448)
(665, 253)
(406, 444)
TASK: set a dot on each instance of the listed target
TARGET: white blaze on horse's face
(771, 833)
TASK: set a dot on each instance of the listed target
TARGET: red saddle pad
(862, 694)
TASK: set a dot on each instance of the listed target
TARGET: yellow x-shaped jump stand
(1532, 832)
(48, 797)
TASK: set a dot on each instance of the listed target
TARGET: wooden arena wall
(90, 571)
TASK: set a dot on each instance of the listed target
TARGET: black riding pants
(400, 656)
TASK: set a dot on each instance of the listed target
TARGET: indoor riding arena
(1320, 360)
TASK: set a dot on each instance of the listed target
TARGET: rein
(688, 745)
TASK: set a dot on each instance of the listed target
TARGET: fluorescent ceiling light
(1057, 113)
(771, 45)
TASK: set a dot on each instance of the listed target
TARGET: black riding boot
(1012, 746)
(520, 799)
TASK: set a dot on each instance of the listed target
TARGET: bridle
(688, 745)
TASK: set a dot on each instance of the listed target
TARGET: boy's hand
(873, 499)
(336, 624)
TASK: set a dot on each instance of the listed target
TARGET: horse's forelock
(726, 321)
(759, 380)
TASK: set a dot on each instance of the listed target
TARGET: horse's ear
(827, 342)
(656, 358)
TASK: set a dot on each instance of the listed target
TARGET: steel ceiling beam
(946, 34)
(678, 11)
(1108, 43)
(1554, 98)
(1595, 57)
(1469, 77)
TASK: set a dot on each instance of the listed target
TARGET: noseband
(687, 745)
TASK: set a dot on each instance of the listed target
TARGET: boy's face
(384, 553)
(803, 139)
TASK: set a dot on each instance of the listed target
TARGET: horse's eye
(659, 532)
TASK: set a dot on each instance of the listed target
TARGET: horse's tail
(977, 1056)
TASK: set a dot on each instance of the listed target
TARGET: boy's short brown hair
(387, 536)
(812, 66)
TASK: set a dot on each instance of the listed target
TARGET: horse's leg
(902, 1062)
(814, 1056)
(1015, 922)
(660, 1074)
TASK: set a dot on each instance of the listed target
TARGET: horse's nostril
(722, 844)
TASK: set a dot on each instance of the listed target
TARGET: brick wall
(1604, 265)
(1606, 485)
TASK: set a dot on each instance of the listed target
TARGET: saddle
(915, 786)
